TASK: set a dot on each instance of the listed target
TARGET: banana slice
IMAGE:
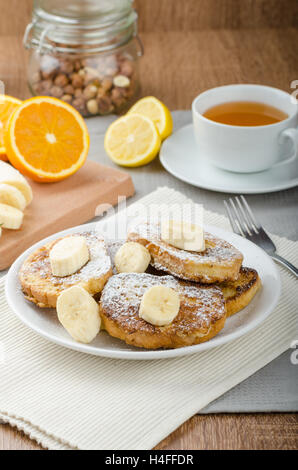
(159, 305)
(12, 196)
(79, 314)
(10, 217)
(9, 175)
(132, 258)
(183, 235)
(68, 256)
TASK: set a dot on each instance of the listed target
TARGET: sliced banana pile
(15, 196)
(183, 235)
(159, 305)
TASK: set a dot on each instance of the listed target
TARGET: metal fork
(244, 223)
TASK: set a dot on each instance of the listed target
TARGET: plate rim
(210, 187)
(134, 355)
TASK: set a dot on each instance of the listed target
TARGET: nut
(130, 91)
(106, 84)
(66, 67)
(69, 89)
(78, 93)
(121, 81)
(91, 71)
(61, 80)
(84, 62)
(46, 85)
(67, 98)
(91, 76)
(92, 106)
(92, 81)
(79, 104)
(127, 68)
(90, 92)
(105, 105)
(77, 65)
(77, 81)
(37, 88)
(117, 96)
(47, 74)
(101, 92)
(56, 91)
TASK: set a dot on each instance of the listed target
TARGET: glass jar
(85, 52)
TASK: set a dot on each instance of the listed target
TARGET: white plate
(179, 157)
(44, 321)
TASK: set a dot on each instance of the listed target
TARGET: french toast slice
(238, 294)
(220, 261)
(42, 288)
(201, 316)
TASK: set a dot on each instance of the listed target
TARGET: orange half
(8, 104)
(46, 139)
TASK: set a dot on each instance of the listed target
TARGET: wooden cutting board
(58, 206)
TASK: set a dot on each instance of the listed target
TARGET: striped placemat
(67, 400)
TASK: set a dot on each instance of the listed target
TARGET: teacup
(246, 149)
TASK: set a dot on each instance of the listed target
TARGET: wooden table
(190, 47)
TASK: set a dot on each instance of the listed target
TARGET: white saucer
(44, 322)
(179, 157)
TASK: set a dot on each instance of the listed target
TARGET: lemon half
(132, 140)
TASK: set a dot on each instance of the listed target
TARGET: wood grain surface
(194, 15)
(191, 45)
(179, 15)
(206, 432)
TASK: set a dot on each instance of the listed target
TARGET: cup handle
(291, 134)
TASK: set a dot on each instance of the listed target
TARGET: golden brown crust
(42, 288)
(238, 294)
(201, 316)
(218, 263)
(141, 340)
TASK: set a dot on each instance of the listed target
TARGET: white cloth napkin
(68, 400)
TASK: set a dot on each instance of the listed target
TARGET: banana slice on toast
(41, 287)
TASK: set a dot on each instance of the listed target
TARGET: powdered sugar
(122, 296)
(217, 250)
(112, 247)
(97, 267)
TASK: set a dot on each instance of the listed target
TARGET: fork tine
(235, 217)
(245, 219)
(231, 219)
(238, 218)
(250, 214)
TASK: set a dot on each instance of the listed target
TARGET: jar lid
(80, 25)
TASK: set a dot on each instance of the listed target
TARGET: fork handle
(285, 263)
